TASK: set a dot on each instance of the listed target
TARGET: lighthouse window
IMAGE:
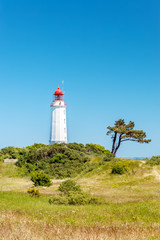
(64, 111)
(64, 129)
(64, 120)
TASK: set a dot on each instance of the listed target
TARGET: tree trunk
(114, 142)
(118, 145)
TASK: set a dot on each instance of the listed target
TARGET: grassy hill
(131, 209)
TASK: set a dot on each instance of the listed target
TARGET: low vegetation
(120, 167)
(33, 192)
(155, 160)
(41, 179)
(103, 197)
(72, 194)
(57, 160)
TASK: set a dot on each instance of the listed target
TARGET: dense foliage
(72, 194)
(57, 160)
(41, 179)
(10, 153)
(155, 160)
(69, 185)
(120, 168)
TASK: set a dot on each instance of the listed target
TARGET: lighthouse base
(52, 142)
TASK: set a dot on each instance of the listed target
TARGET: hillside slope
(131, 209)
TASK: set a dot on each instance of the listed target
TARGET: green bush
(57, 160)
(10, 152)
(78, 198)
(108, 156)
(72, 198)
(120, 168)
(76, 146)
(155, 160)
(96, 148)
(75, 198)
(69, 185)
(59, 200)
(71, 194)
(41, 179)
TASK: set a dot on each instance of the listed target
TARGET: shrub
(41, 179)
(78, 198)
(71, 198)
(59, 200)
(71, 194)
(69, 185)
(76, 146)
(33, 192)
(9, 152)
(108, 156)
(155, 160)
(57, 159)
(120, 168)
(96, 148)
(75, 198)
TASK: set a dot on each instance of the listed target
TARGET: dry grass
(14, 184)
(132, 210)
(143, 184)
(11, 180)
(14, 226)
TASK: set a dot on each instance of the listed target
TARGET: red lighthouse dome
(58, 92)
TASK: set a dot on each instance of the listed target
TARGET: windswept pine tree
(122, 132)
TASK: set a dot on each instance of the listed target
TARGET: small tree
(122, 132)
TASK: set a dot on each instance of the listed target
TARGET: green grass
(145, 212)
(132, 203)
(9, 170)
(142, 182)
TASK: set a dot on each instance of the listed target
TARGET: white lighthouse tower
(58, 132)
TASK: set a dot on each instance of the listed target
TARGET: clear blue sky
(106, 52)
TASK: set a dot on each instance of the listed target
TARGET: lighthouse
(58, 130)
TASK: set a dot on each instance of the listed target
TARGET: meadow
(131, 209)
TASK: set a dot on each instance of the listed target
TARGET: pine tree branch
(133, 140)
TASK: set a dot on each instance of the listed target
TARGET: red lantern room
(59, 95)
